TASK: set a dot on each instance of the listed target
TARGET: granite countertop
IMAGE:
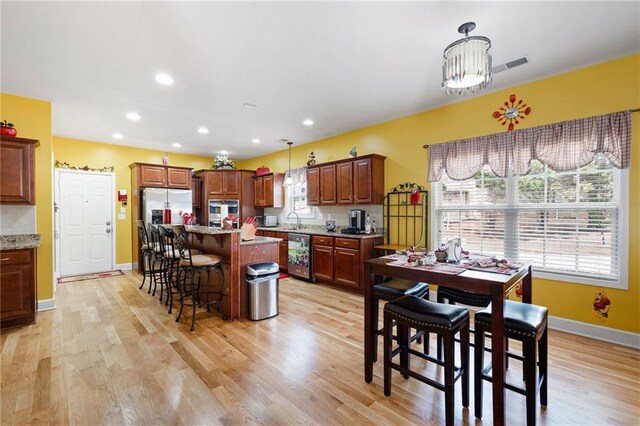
(210, 230)
(319, 230)
(260, 240)
(19, 241)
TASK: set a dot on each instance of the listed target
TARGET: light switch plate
(122, 216)
(123, 209)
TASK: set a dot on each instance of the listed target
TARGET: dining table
(497, 285)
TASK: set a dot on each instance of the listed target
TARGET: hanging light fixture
(467, 63)
(289, 180)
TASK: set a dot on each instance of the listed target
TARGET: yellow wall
(32, 118)
(600, 89)
(97, 155)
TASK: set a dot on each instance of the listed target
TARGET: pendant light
(467, 63)
(289, 180)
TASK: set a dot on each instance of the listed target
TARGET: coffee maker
(357, 218)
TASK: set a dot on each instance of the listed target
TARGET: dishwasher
(299, 256)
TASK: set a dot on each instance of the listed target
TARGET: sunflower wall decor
(511, 112)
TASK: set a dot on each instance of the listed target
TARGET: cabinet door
(16, 173)
(344, 173)
(178, 178)
(328, 185)
(214, 182)
(17, 304)
(323, 263)
(362, 181)
(196, 193)
(347, 264)
(153, 176)
(232, 183)
(258, 192)
(313, 186)
(283, 253)
(267, 188)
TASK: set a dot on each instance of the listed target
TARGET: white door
(86, 222)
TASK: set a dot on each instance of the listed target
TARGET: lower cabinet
(347, 263)
(283, 251)
(322, 262)
(17, 287)
(337, 261)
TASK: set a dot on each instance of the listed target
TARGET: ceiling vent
(509, 65)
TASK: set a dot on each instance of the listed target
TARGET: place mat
(84, 277)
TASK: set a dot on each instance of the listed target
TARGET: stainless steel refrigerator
(154, 202)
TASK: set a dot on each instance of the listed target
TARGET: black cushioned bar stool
(455, 296)
(392, 290)
(444, 320)
(528, 324)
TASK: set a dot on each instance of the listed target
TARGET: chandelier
(467, 63)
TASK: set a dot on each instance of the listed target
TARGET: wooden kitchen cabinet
(346, 267)
(352, 181)
(160, 176)
(196, 193)
(283, 251)
(268, 190)
(17, 167)
(178, 178)
(17, 287)
(313, 186)
(322, 262)
(223, 183)
(153, 176)
(344, 184)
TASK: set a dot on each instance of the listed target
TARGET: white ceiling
(344, 65)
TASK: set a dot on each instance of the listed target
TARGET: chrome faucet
(297, 219)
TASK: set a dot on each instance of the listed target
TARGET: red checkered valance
(563, 146)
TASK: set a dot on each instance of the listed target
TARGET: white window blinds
(568, 224)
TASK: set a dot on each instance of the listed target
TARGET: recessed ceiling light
(203, 130)
(249, 105)
(164, 79)
(177, 145)
(133, 116)
(308, 122)
(117, 136)
(255, 140)
(223, 152)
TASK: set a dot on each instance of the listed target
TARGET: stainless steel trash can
(262, 288)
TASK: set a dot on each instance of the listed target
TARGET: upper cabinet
(158, 176)
(196, 193)
(17, 179)
(222, 182)
(268, 191)
(353, 181)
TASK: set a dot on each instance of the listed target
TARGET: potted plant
(222, 162)
(7, 129)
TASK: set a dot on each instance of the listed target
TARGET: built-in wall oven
(220, 209)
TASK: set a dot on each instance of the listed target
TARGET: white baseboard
(124, 266)
(598, 332)
(46, 305)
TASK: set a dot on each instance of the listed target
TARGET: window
(571, 225)
(297, 200)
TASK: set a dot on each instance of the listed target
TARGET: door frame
(56, 218)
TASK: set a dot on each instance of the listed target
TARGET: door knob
(108, 223)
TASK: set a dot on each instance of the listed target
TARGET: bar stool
(392, 290)
(191, 265)
(526, 323)
(146, 252)
(157, 262)
(423, 315)
(454, 296)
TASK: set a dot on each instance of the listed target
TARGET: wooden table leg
(368, 341)
(498, 363)
(527, 291)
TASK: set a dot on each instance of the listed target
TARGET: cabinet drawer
(322, 241)
(283, 235)
(269, 234)
(348, 243)
(18, 257)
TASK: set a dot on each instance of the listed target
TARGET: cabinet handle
(4, 259)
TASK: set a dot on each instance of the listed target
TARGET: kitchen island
(235, 254)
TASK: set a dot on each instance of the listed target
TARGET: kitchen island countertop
(260, 240)
(210, 230)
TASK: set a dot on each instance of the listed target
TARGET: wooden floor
(110, 354)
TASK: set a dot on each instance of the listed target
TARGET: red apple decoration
(7, 129)
(262, 170)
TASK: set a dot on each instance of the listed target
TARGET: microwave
(270, 221)
(220, 209)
